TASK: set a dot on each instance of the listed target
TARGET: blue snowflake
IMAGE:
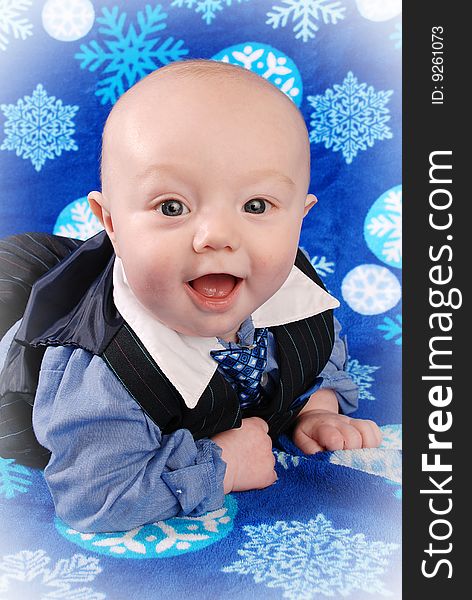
(311, 559)
(350, 117)
(361, 374)
(39, 127)
(128, 56)
(10, 22)
(392, 328)
(13, 478)
(305, 14)
(207, 8)
(397, 36)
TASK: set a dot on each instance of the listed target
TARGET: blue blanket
(330, 526)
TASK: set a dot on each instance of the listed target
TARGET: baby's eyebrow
(181, 169)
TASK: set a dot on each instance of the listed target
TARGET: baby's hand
(247, 452)
(317, 430)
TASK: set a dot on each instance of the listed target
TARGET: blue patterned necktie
(243, 367)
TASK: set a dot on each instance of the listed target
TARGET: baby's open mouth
(214, 285)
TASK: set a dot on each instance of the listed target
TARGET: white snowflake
(375, 461)
(68, 20)
(350, 117)
(14, 478)
(361, 374)
(12, 23)
(207, 8)
(384, 221)
(27, 575)
(128, 55)
(305, 14)
(322, 266)
(39, 127)
(311, 559)
(370, 289)
(84, 223)
(393, 329)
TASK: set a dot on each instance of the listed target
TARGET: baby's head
(205, 174)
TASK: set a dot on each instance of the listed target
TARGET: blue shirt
(111, 468)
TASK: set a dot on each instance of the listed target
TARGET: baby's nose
(216, 231)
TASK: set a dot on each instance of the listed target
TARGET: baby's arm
(319, 426)
(111, 469)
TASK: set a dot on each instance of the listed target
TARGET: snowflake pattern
(77, 221)
(305, 14)
(207, 8)
(287, 460)
(128, 55)
(12, 23)
(14, 478)
(322, 266)
(268, 62)
(350, 117)
(39, 127)
(392, 436)
(393, 329)
(161, 539)
(28, 575)
(311, 559)
(361, 374)
(375, 461)
(68, 20)
(383, 227)
(370, 289)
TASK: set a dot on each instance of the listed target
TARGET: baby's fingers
(305, 442)
(371, 434)
(330, 437)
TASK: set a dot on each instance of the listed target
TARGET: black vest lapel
(217, 410)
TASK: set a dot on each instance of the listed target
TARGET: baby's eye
(255, 206)
(172, 208)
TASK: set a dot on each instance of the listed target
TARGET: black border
(427, 128)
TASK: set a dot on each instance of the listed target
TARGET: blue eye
(172, 208)
(255, 206)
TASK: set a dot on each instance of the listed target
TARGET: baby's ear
(310, 202)
(99, 208)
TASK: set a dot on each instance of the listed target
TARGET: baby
(205, 174)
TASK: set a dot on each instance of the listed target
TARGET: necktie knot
(243, 367)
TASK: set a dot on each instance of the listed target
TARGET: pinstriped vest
(72, 305)
(303, 349)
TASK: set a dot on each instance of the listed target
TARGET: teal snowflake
(128, 55)
(39, 127)
(350, 117)
(207, 8)
(307, 560)
(361, 374)
(392, 328)
(12, 23)
(305, 14)
(14, 478)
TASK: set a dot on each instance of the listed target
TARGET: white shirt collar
(186, 360)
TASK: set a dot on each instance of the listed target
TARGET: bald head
(219, 81)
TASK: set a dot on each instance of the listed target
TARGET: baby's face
(204, 193)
